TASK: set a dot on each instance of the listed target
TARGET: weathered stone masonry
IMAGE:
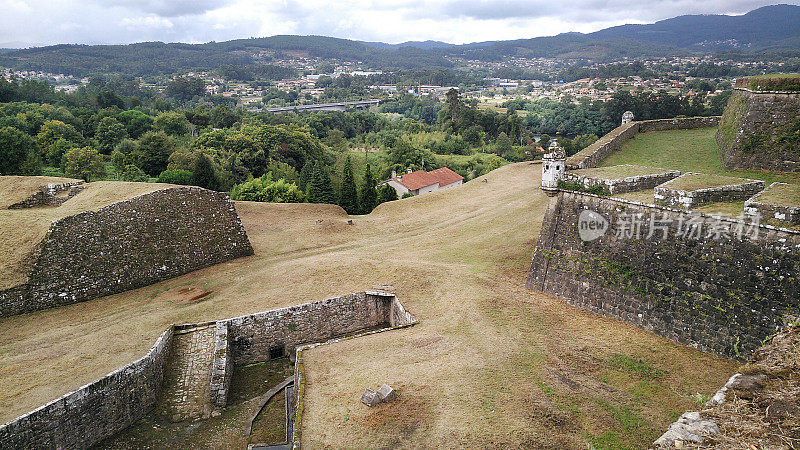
(278, 332)
(88, 415)
(107, 406)
(753, 127)
(724, 296)
(127, 245)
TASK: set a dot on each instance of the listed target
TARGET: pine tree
(348, 196)
(320, 189)
(203, 173)
(306, 174)
(387, 194)
(369, 193)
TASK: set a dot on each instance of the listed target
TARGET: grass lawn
(490, 363)
(695, 181)
(781, 194)
(616, 172)
(687, 151)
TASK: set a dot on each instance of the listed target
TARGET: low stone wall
(127, 245)
(679, 198)
(260, 337)
(96, 411)
(681, 123)
(623, 185)
(221, 367)
(592, 155)
(781, 214)
(48, 195)
(719, 285)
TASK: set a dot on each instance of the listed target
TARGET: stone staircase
(186, 394)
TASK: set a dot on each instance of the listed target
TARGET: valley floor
(490, 363)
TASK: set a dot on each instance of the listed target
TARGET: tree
(387, 193)
(119, 160)
(173, 123)
(133, 173)
(109, 133)
(369, 193)
(320, 189)
(203, 174)
(306, 174)
(183, 177)
(348, 196)
(136, 123)
(502, 145)
(85, 163)
(51, 132)
(184, 88)
(16, 148)
(153, 152)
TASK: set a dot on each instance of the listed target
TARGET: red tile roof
(445, 176)
(420, 178)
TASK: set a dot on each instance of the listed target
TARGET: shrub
(183, 177)
(84, 163)
(572, 186)
(133, 173)
(263, 189)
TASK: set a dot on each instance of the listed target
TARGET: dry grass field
(23, 229)
(491, 364)
(617, 172)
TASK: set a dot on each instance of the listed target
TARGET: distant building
(422, 182)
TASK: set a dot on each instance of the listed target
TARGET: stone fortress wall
(784, 214)
(127, 245)
(623, 185)
(85, 417)
(687, 199)
(592, 155)
(100, 409)
(717, 293)
(756, 129)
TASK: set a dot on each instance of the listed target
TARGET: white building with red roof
(422, 182)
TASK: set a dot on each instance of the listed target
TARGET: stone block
(386, 393)
(370, 398)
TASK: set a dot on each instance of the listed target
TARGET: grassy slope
(490, 363)
(686, 150)
(23, 229)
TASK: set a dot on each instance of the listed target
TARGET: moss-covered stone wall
(127, 245)
(720, 285)
(761, 130)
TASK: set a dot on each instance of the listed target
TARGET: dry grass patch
(695, 181)
(489, 364)
(727, 209)
(14, 189)
(617, 172)
(781, 194)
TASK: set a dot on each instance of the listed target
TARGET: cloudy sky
(43, 22)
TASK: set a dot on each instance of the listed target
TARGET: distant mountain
(423, 45)
(771, 28)
(774, 28)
